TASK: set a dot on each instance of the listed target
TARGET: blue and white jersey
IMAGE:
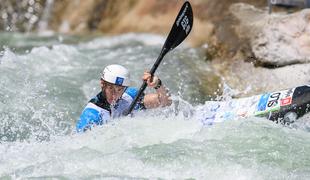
(98, 111)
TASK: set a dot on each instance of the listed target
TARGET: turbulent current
(45, 82)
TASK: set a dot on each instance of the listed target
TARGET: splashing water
(22, 15)
(46, 81)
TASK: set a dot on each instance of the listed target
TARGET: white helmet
(116, 74)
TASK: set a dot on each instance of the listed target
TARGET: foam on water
(143, 39)
(44, 90)
(165, 147)
(49, 85)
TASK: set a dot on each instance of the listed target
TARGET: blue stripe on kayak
(263, 102)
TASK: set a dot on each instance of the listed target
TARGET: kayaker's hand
(151, 82)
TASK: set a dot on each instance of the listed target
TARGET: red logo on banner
(286, 101)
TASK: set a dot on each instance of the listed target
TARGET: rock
(212, 20)
(276, 39)
(246, 79)
(279, 42)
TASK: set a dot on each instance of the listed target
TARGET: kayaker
(116, 96)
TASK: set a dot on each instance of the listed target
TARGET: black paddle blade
(179, 31)
(181, 27)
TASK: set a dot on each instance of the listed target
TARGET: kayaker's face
(113, 92)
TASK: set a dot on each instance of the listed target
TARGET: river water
(45, 81)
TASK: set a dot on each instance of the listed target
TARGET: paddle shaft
(144, 84)
(179, 31)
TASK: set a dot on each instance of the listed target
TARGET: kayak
(283, 107)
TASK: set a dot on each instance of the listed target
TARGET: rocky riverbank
(276, 53)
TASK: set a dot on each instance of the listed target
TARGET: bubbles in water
(20, 15)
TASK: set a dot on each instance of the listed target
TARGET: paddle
(179, 31)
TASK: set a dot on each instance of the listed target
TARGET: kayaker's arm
(159, 99)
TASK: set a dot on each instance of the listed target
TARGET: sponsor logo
(263, 102)
(186, 27)
(184, 20)
(286, 101)
(273, 99)
(119, 81)
(182, 14)
(289, 92)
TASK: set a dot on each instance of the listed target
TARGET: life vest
(98, 111)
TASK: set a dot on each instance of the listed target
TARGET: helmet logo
(119, 81)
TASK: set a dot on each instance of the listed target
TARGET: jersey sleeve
(92, 115)
(132, 92)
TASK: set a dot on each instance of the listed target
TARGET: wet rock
(276, 39)
(246, 79)
(273, 54)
